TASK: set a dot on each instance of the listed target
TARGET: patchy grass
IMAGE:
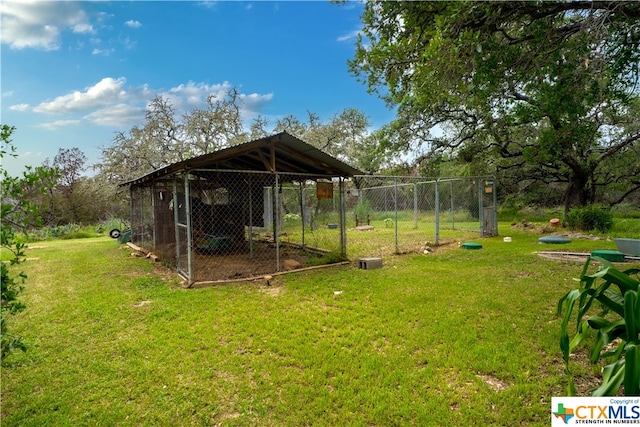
(454, 337)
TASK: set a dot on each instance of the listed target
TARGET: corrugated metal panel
(281, 152)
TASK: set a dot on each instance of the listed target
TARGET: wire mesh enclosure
(213, 225)
(222, 225)
(265, 206)
(406, 214)
(279, 204)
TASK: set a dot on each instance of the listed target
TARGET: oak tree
(542, 87)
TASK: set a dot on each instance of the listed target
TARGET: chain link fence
(219, 225)
(407, 214)
(216, 225)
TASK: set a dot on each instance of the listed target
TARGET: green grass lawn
(451, 338)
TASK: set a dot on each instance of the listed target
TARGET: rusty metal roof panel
(281, 152)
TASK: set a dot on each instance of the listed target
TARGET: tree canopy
(539, 91)
(166, 138)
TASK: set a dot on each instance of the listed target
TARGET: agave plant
(618, 326)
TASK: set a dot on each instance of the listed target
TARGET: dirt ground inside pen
(238, 264)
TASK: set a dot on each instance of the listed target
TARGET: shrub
(590, 218)
(12, 285)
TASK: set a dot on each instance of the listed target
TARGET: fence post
(187, 206)
(453, 213)
(251, 218)
(343, 219)
(437, 212)
(132, 212)
(481, 206)
(415, 205)
(176, 219)
(276, 203)
(495, 202)
(152, 220)
(302, 212)
(395, 208)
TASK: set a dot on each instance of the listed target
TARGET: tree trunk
(579, 191)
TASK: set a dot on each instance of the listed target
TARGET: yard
(453, 337)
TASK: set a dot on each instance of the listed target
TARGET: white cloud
(118, 115)
(83, 28)
(253, 103)
(110, 103)
(38, 24)
(103, 52)
(106, 92)
(349, 36)
(208, 4)
(192, 95)
(19, 107)
(128, 43)
(59, 124)
(133, 24)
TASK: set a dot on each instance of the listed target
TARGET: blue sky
(74, 73)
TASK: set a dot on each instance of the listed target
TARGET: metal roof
(281, 152)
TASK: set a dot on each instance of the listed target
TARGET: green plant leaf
(564, 347)
(571, 387)
(612, 378)
(612, 301)
(624, 282)
(630, 304)
(585, 267)
(636, 315)
(631, 271)
(570, 299)
(605, 336)
(632, 371)
(581, 333)
(617, 293)
(597, 322)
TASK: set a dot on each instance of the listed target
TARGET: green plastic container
(554, 240)
(471, 245)
(613, 256)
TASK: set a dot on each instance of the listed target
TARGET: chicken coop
(265, 206)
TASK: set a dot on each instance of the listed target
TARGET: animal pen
(411, 214)
(225, 216)
(278, 203)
